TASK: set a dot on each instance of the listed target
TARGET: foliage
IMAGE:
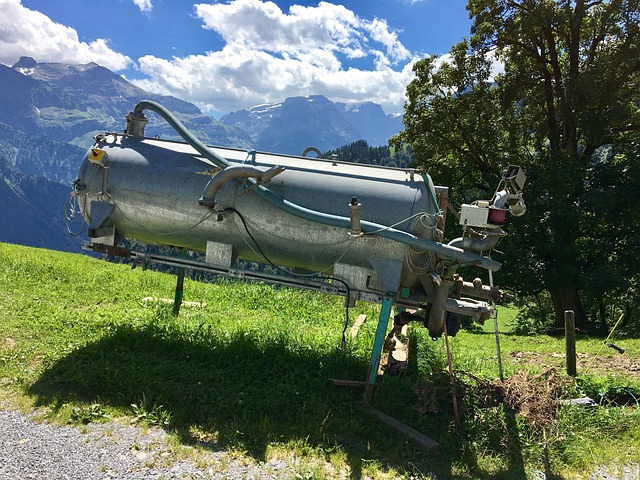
(360, 152)
(534, 316)
(150, 414)
(565, 107)
(88, 413)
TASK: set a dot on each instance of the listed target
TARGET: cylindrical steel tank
(155, 186)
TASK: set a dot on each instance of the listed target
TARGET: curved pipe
(475, 244)
(312, 149)
(208, 198)
(320, 217)
(182, 131)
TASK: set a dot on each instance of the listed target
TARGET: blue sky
(233, 54)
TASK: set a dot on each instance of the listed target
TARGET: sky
(233, 54)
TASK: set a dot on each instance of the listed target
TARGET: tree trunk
(568, 298)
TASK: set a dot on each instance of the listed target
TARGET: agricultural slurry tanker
(365, 232)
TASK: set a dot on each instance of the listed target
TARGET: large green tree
(566, 106)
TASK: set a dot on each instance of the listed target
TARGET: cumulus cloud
(25, 32)
(237, 77)
(270, 54)
(143, 5)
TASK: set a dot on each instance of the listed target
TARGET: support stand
(376, 352)
(177, 301)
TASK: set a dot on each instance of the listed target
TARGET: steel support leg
(376, 353)
(177, 300)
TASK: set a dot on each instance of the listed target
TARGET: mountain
(49, 113)
(38, 155)
(32, 211)
(300, 122)
(72, 103)
(373, 125)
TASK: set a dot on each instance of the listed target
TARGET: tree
(566, 107)
(360, 152)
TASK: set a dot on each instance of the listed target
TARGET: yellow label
(97, 156)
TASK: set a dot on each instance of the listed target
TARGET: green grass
(248, 372)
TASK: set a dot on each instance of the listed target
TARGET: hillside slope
(32, 210)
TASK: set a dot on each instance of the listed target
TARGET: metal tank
(366, 232)
(153, 191)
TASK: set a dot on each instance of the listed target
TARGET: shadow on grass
(249, 395)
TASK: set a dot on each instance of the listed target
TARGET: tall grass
(248, 372)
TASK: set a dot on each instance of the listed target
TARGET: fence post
(570, 336)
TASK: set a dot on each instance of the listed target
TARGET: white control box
(474, 216)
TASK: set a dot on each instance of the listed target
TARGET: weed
(88, 413)
(150, 415)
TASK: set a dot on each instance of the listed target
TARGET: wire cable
(317, 275)
(413, 217)
(72, 212)
(604, 343)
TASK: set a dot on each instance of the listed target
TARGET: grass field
(248, 372)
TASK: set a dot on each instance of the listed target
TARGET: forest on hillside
(360, 152)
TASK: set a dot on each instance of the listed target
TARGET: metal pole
(570, 336)
(376, 353)
(452, 381)
(496, 331)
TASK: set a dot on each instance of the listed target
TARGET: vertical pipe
(570, 336)
(376, 352)
(438, 311)
(496, 331)
(354, 216)
(452, 380)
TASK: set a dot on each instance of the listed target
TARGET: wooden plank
(356, 326)
(429, 444)
(398, 360)
(347, 383)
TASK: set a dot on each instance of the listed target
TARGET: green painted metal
(381, 332)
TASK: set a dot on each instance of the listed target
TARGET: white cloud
(263, 25)
(143, 5)
(380, 32)
(25, 32)
(270, 55)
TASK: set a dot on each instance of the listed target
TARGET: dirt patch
(618, 364)
(9, 343)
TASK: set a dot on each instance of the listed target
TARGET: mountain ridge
(49, 114)
(28, 220)
(72, 103)
(296, 123)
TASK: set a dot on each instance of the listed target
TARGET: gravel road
(113, 450)
(30, 450)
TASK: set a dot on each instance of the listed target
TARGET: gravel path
(30, 450)
(113, 450)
